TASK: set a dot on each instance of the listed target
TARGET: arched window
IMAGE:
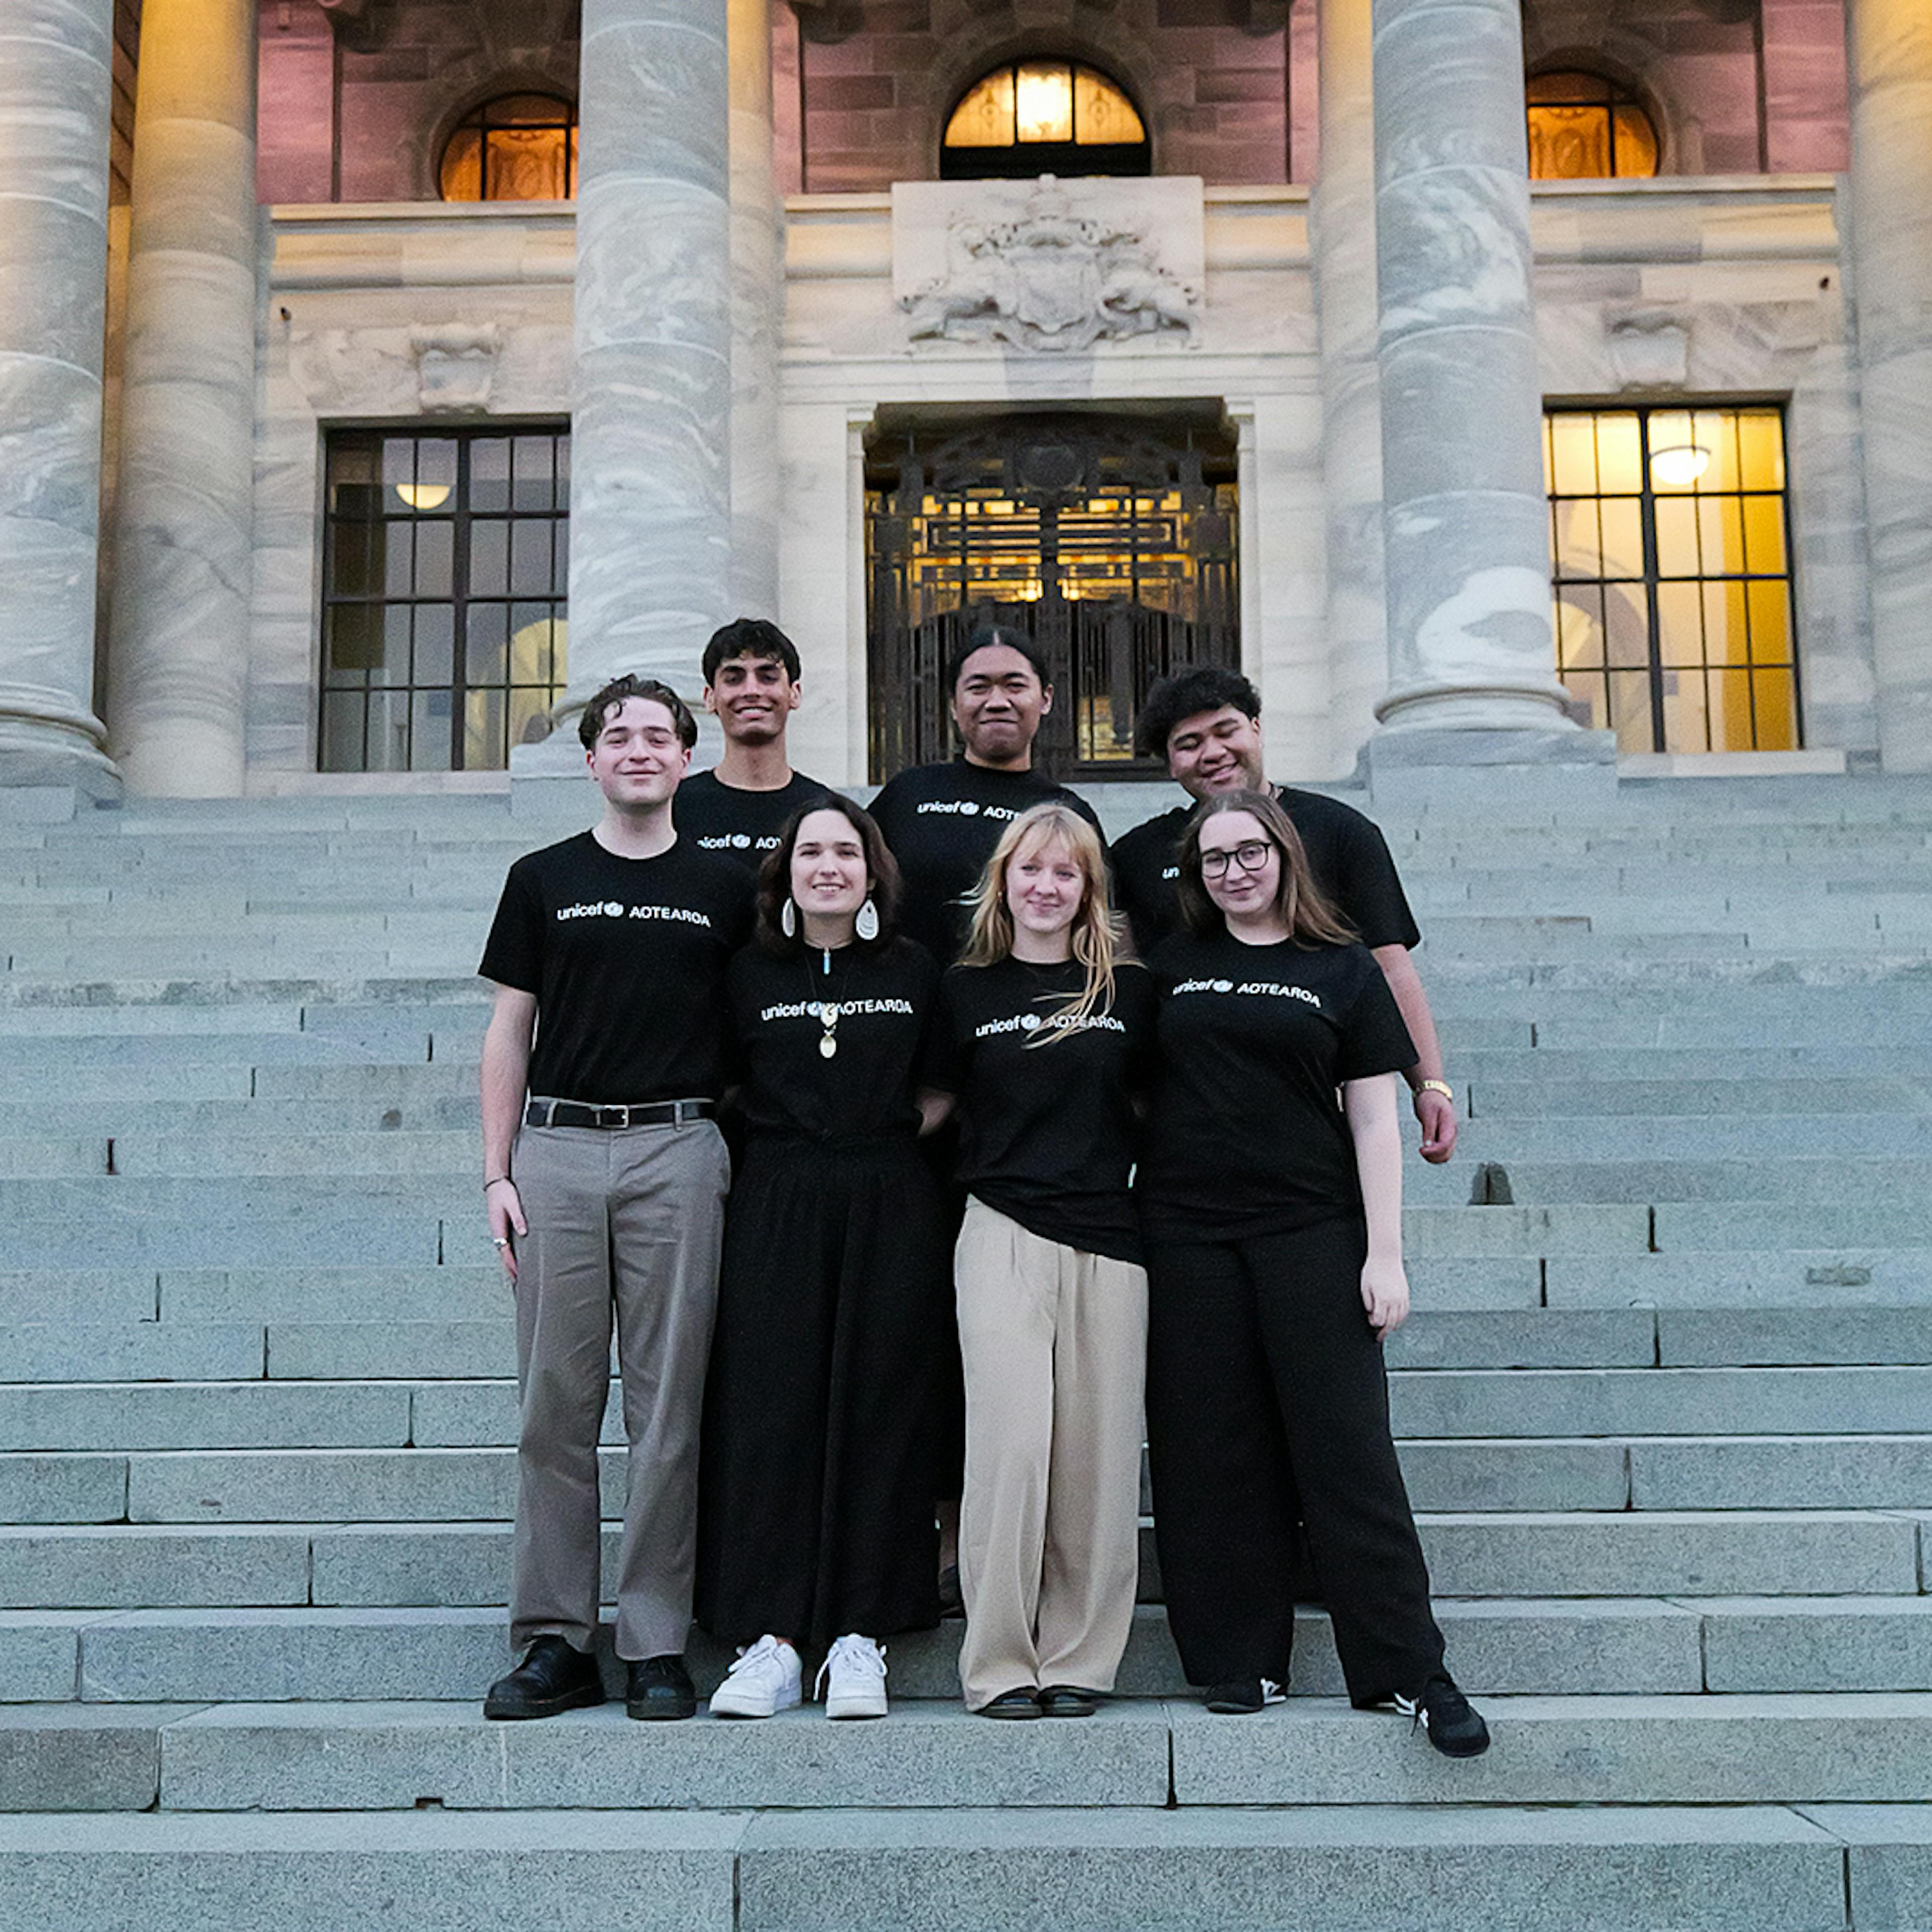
(1034, 117)
(1584, 128)
(519, 147)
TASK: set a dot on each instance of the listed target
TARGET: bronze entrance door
(1110, 542)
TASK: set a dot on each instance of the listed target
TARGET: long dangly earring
(866, 925)
(788, 919)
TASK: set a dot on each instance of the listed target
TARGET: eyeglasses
(1249, 857)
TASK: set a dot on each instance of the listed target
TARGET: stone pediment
(1049, 266)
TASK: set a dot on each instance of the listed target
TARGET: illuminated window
(1112, 545)
(1583, 127)
(522, 147)
(444, 631)
(1044, 117)
(1672, 575)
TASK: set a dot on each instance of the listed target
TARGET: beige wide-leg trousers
(1054, 1345)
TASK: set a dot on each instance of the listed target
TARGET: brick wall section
(861, 87)
(293, 121)
(1697, 65)
(880, 80)
(408, 71)
(1804, 86)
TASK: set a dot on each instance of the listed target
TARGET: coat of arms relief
(1049, 266)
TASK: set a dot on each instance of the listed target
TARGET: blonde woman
(1045, 1032)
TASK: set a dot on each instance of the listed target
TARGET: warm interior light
(1680, 466)
(423, 496)
(1045, 104)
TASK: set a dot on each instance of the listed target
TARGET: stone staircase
(1666, 1411)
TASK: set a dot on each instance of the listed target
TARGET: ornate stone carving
(1649, 351)
(1051, 267)
(456, 367)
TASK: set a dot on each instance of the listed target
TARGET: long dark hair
(1311, 916)
(775, 877)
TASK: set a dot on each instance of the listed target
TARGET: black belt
(650, 1113)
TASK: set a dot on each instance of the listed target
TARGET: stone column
(1467, 542)
(177, 652)
(1890, 49)
(56, 88)
(1351, 451)
(757, 313)
(650, 504)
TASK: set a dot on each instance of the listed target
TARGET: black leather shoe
(553, 1676)
(1010, 1704)
(658, 1690)
(1067, 1700)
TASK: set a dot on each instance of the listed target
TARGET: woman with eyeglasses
(1044, 1036)
(1269, 1191)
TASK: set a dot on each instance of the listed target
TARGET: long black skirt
(816, 1478)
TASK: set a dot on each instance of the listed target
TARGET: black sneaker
(553, 1676)
(659, 1689)
(1455, 1728)
(1243, 1697)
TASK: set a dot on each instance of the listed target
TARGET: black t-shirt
(941, 823)
(1346, 851)
(737, 824)
(1247, 1134)
(1047, 1133)
(886, 1001)
(626, 958)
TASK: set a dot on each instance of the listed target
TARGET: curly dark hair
(596, 714)
(1186, 695)
(775, 877)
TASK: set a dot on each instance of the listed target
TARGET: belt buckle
(613, 1117)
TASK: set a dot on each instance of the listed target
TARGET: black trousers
(1266, 1400)
(816, 1480)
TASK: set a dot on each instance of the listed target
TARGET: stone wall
(358, 113)
(352, 299)
(880, 80)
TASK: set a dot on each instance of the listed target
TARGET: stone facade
(375, 302)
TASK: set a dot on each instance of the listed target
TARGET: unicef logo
(968, 807)
(1029, 1022)
(740, 840)
(612, 910)
(1224, 985)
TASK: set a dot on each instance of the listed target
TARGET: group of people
(926, 1155)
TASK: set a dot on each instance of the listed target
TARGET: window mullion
(1647, 521)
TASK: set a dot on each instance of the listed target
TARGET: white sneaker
(764, 1680)
(857, 1668)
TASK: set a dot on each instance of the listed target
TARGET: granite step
(1529, 1646)
(433, 1485)
(1605, 1751)
(1571, 1554)
(1795, 1284)
(1195, 1869)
